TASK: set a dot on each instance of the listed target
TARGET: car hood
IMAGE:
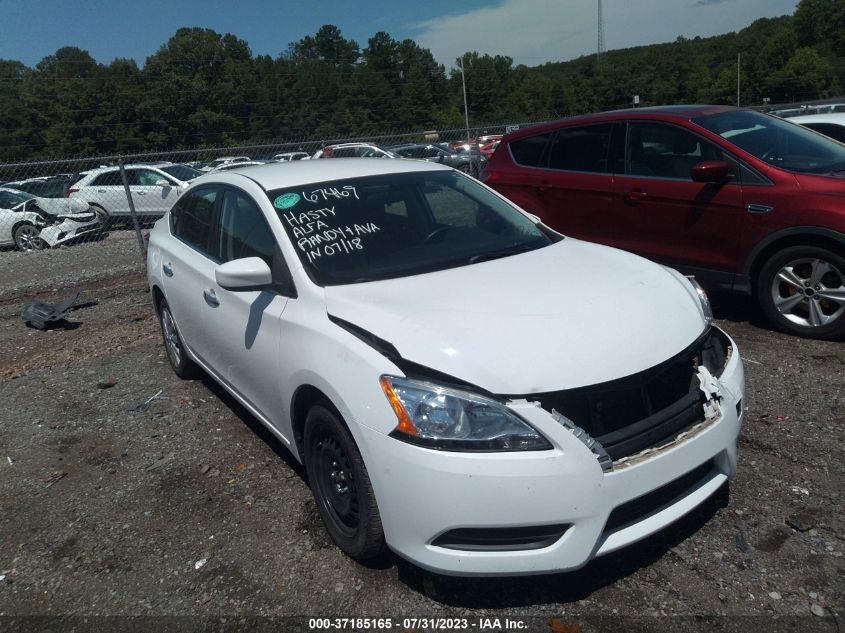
(61, 206)
(568, 315)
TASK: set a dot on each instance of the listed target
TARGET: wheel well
(785, 242)
(306, 397)
(158, 295)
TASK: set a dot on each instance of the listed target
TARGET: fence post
(134, 215)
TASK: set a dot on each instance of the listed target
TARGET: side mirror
(163, 183)
(249, 273)
(710, 171)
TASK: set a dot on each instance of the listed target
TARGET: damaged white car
(464, 385)
(32, 223)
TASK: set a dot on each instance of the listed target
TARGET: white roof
(837, 118)
(293, 174)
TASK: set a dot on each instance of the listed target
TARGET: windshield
(10, 199)
(778, 142)
(396, 225)
(181, 172)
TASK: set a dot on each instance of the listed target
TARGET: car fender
(762, 245)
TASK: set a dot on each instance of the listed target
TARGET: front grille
(646, 409)
(641, 507)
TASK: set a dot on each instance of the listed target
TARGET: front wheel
(801, 289)
(341, 485)
(28, 238)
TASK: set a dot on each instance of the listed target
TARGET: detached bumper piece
(511, 539)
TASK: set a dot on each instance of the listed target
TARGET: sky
(532, 32)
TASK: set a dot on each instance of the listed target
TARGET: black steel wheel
(341, 486)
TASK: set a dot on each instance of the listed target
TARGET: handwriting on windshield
(317, 238)
(329, 193)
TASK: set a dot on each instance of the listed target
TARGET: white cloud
(537, 31)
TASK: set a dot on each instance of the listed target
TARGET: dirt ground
(185, 513)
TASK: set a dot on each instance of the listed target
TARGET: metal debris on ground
(144, 406)
(200, 563)
(53, 477)
(41, 314)
(161, 462)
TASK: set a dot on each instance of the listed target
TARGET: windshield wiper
(505, 252)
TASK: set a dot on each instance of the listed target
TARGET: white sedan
(465, 386)
(30, 223)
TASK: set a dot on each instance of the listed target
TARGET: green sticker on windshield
(286, 200)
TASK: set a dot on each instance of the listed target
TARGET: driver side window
(658, 150)
(243, 231)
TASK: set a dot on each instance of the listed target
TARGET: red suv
(745, 201)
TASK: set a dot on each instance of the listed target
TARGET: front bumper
(68, 230)
(425, 493)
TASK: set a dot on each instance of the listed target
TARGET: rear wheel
(183, 366)
(28, 238)
(801, 289)
(341, 485)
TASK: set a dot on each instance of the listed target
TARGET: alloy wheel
(27, 238)
(809, 292)
(171, 338)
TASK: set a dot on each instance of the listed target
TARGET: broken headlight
(703, 299)
(714, 351)
(449, 419)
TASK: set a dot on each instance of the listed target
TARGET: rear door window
(191, 219)
(531, 150)
(583, 148)
(108, 179)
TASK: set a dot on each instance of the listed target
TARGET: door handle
(636, 195)
(167, 269)
(101, 191)
(544, 186)
(211, 298)
(758, 208)
(140, 193)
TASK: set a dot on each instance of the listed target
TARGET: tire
(182, 366)
(341, 486)
(801, 290)
(103, 216)
(27, 237)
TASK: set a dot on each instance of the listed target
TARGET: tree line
(204, 89)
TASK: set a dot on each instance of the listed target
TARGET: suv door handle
(141, 193)
(167, 269)
(636, 194)
(544, 186)
(211, 298)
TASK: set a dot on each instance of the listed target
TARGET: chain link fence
(77, 222)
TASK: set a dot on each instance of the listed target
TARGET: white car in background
(230, 166)
(832, 124)
(224, 160)
(153, 189)
(465, 386)
(30, 223)
(287, 157)
(353, 150)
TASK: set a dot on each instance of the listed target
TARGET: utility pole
(738, 61)
(600, 45)
(466, 108)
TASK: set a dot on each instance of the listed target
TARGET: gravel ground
(190, 508)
